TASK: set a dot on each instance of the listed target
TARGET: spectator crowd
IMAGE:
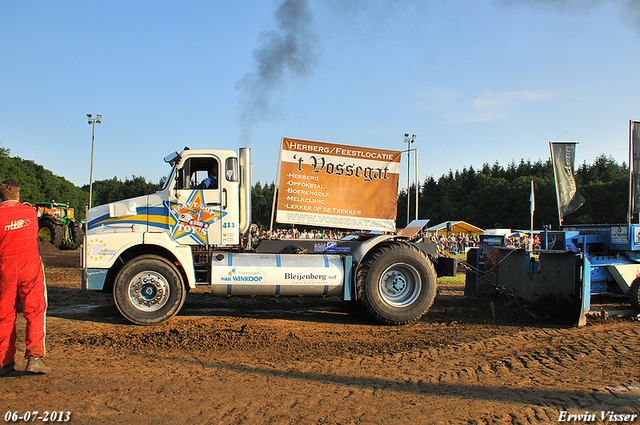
(453, 243)
(257, 234)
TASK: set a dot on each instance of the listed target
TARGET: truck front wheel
(397, 284)
(149, 290)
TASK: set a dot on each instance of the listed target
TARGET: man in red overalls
(21, 275)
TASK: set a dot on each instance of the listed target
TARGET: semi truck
(151, 250)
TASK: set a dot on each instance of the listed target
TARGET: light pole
(93, 122)
(409, 141)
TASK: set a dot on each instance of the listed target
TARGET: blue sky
(476, 81)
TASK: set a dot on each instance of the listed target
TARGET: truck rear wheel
(397, 284)
(149, 290)
(634, 294)
(50, 230)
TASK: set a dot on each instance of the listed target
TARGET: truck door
(197, 208)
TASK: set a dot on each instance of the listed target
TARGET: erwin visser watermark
(603, 416)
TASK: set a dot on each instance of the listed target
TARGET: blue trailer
(573, 264)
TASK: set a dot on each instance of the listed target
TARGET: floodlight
(94, 121)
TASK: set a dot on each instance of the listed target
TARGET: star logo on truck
(192, 219)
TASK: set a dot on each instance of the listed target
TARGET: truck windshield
(168, 178)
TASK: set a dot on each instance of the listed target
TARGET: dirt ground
(319, 361)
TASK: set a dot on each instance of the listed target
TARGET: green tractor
(58, 225)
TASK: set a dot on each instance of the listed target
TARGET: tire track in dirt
(543, 371)
(508, 376)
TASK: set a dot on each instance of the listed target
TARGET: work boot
(36, 365)
(7, 368)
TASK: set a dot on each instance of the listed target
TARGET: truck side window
(202, 173)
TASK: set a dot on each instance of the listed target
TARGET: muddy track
(312, 361)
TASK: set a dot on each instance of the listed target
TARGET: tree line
(491, 197)
(38, 184)
(498, 197)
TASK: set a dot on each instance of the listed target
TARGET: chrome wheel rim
(149, 291)
(400, 285)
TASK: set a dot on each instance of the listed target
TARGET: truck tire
(51, 230)
(634, 294)
(77, 233)
(149, 290)
(397, 284)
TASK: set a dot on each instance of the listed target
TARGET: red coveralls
(21, 274)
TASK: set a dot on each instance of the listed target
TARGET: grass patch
(455, 280)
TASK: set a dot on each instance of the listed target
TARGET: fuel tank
(277, 274)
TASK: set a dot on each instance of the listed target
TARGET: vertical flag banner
(329, 185)
(634, 148)
(563, 155)
(532, 200)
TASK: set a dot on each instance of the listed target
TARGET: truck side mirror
(231, 169)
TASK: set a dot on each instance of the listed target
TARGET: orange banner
(328, 185)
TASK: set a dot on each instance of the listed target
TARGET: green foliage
(497, 197)
(39, 185)
(111, 190)
(261, 203)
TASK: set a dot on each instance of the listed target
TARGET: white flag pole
(532, 200)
